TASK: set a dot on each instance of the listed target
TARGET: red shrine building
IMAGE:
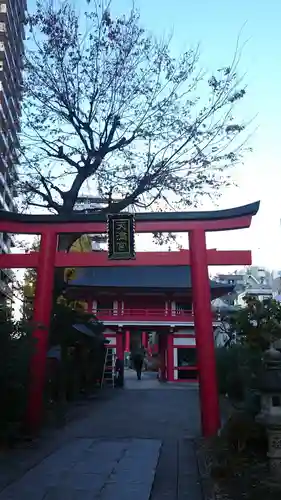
(149, 306)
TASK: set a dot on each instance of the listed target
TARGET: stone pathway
(136, 445)
(149, 381)
(91, 469)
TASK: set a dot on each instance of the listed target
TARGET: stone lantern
(270, 414)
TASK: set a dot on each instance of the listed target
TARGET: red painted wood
(18, 261)
(42, 315)
(229, 257)
(162, 344)
(144, 339)
(141, 227)
(119, 345)
(127, 341)
(143, 315)
(210, 413)
(139, 301)
(170, 358)
(100, 259)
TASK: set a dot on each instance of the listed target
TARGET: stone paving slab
(150, 381)
(111, 442)
(189, 487)
(177, 474)
(91, 469)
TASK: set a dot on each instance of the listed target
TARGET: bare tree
(106, 106)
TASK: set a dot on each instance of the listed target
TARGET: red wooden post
(162, 356)
(119, 345)
(42, 315)
(210, 413)
(144, 339)
(127, 341)
(170, 357)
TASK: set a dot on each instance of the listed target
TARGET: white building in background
(12, 17)
(257, 285)
(276, 284)
(252, 281)
(259, 293)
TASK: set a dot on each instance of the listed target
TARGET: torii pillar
(42, 315)
(203, 321)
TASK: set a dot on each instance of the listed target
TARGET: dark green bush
(238, 367)
(15, 353)
(82, 356)
(242, 432)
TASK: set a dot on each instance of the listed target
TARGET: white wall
(184, 342)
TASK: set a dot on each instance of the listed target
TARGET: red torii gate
(195, 223)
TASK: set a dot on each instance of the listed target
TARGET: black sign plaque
(121, 237)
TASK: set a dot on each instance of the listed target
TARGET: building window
(3, 8)
(2, 46)
(182, 307)
(105, 305)
(1, 66)
(2, 27)
(187, 363)
(186, 357)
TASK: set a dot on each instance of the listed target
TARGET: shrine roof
(148, 277)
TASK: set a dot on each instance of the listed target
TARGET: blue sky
(215, 25)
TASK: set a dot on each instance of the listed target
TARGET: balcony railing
(144, 314)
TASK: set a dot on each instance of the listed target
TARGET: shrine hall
(148, 306)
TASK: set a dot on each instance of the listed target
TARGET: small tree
(256, 326)
(259, 323)
(82, 244)
(107, 104)
(64, 335)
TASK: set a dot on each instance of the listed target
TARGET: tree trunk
(65, 243)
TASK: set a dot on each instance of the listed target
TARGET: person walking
(138, 362)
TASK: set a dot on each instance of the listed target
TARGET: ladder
(108, 369)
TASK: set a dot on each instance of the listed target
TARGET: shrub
(15, 353)
(238, 367)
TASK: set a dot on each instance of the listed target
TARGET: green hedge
(15, 351)
(238, 368)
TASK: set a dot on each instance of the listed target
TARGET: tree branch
(50, 202)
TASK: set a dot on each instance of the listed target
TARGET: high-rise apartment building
(12, 16)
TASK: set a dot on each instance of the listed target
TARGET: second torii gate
(48, 258)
